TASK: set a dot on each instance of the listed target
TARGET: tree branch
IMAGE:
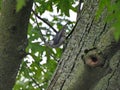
(44, 21)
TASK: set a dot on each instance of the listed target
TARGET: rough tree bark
(91, 60)
(13, 38)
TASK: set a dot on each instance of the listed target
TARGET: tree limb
(44, 21)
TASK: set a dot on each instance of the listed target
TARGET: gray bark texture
(91, 60)
(13, 40)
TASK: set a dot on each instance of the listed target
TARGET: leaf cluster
(113, 16)
(39, 65)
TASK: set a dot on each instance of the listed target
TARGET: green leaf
(20, 4)
(117, 31)
(64, 6)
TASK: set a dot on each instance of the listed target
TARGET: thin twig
(44, 21)
(35, 81)
(43, 39)
(28, 69)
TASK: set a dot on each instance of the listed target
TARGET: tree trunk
(91, 60)
(13, 40)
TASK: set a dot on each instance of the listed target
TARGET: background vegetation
(34, 74)
(38, 67)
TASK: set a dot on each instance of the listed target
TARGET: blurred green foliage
(20, 4)
(113, 14)
(39, 65)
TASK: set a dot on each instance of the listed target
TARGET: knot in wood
(93, 59)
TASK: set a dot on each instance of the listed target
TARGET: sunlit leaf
(20, 4)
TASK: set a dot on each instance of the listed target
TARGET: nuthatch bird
(59, 38)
